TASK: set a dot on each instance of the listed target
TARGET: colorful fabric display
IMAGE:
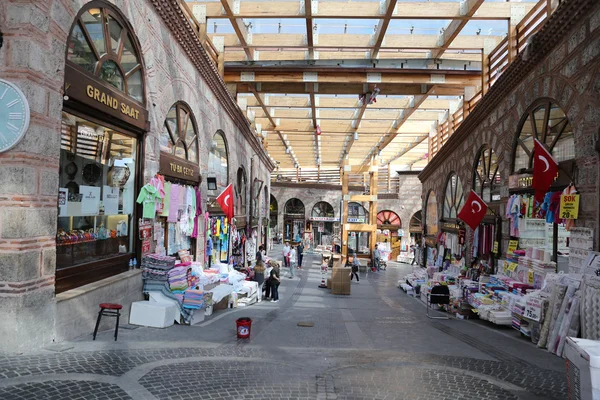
(193, 299)
(178, 279)
(148, 196)
(174, 203)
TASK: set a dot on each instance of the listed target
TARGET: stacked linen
(194, 299)
(178, 281)
(155, 270)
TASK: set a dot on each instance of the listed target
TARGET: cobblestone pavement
(374, 344)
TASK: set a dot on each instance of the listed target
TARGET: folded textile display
(178, 281)
(194, 299)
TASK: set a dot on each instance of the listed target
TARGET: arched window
(241, 191)
(357, 213)
(547, 123)
(454, 198)
(100, 43)
(431, 215)
(486, 175)
(218, 160)
(415, 224)
(294, 207)
(388, 217)
(322, 210)
(180, 135)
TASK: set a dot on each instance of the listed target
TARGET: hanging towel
(174, 205)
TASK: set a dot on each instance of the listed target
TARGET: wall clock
(14, 115)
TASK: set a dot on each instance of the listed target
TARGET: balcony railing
(498, 62)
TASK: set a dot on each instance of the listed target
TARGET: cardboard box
(340, 274)
(328, 283)
(222, 305)
(152, 314)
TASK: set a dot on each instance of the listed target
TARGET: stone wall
(570, 76)
(33, 58)
(405, 206)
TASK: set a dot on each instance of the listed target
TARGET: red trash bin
(244, 325)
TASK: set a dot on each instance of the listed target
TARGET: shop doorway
(323, 219)
(389, 232)
(295, 220)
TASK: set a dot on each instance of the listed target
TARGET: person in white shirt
(286, 254)
(292, 261)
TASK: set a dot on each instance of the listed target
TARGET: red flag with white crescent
(545, 170)
(473, 211)
(226, 201)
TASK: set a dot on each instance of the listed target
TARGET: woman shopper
(275, 281)
(355, 265)
(259, 277)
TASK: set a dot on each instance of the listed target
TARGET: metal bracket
(314, 7)
(199, 12)
(464, 7)
(373, 77)
(246, 76)
(438, 78)
(310, 77)
(236, 6)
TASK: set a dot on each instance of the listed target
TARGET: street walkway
(374, 344)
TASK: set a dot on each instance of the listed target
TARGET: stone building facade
(33, 56)
(561, 64)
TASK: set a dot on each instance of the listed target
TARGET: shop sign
(530, 277)
(495, 249)
(325, 219)
(82, 88)
(512, 246)
(146, 246)
(533, 309)
(450, 226)
(401, 232)
(178, 168)
(356, 220)
(569, 206)
(510, 266)
(520, 181)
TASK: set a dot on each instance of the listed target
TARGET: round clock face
(14, 115)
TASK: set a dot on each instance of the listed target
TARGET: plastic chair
(440, 294)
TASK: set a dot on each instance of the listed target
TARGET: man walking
(377, 257)
(300, 254)
(415, 253)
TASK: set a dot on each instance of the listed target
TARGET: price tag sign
(512, 246)
(533, 309)
(495, 249)
(530, 277)
(569, 206)
(511, 266)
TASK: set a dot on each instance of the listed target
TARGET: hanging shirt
(198, 212)
(159, 183)
(174, 204)
(209, 246)
(148, 196)
(166, 200)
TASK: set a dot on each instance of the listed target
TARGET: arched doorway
(323, 221)
(415, 227)
(295, 220)
(389, 230)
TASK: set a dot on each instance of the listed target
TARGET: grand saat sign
(82, 88)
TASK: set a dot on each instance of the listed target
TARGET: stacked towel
(194, 299)
(178, 279)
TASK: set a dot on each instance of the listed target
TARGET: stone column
(32, 57)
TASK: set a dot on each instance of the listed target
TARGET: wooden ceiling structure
(301, 66)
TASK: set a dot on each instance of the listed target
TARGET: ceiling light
(355, 135)
(287, 150)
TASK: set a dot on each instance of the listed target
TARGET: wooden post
(374, 180)
(344, 219)
(485, 61)
(221, 64)
(318, 173)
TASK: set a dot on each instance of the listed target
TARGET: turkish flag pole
(473, 211)
(545, 170)
(227, 203)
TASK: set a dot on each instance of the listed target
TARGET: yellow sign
(569, 206)
(181, 169)
(512, 246)
(530, 277)
(511, 266)
(495, 249)
(111, 101)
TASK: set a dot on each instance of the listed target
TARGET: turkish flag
(473, 211)
(545, 170)
(226, 201)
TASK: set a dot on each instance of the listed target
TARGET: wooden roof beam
(330, 88)
(313, 112)
(352, 9)
(309, 29)
(356, 123)
(455, 26)
(242, 33)
(266, 111)
(382, 27)
(417, 142)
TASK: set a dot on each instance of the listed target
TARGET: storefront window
(486, 176)
(96, 195)
(547, 123)
(431, 215)
(179, 136)
(454, 197)
(322, 210)
(359, 242)
(357, 213)
(241, 192)
(217, 160)
(112, 58)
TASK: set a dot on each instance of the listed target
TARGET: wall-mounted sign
(176, 167)
(356, 220)
(450, 226)
(81, 88)
(325, 219)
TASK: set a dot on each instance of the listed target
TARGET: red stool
(110, 310)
